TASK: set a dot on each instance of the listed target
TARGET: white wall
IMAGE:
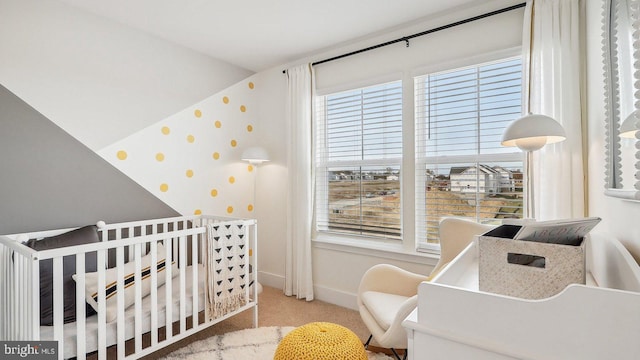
(271, 187)
(619, 217)
(338, 270)
(97, 79)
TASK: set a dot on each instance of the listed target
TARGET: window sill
(391, 251)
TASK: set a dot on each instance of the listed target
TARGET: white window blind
(359, 151)
(461, 168)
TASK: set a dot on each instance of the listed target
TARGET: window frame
(409, 249)
(321, 168)
(421, 162)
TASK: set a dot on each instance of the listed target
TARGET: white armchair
(388, 294)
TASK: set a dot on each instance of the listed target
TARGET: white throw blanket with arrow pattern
(227, 265)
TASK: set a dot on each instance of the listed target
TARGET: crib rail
(18, 295)
(167, 299)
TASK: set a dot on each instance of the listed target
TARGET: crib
(152, 285)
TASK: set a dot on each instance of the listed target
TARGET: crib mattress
(91, 333)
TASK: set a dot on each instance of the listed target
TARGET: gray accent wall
(49, 180)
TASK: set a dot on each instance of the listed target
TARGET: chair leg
(395, 353)
(366, 345)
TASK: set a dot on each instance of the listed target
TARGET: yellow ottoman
(320, 341)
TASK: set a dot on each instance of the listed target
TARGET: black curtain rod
(407, 38)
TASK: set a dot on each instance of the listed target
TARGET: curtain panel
(301, 181)
(554, 53)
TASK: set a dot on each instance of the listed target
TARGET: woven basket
(564, 265)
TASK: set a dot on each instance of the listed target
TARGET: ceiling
(260, 34)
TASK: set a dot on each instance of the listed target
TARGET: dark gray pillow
(80, 236)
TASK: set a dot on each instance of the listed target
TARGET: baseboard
(336, 297)
(332, 296)
(271, 280)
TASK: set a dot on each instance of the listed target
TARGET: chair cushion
(382, 306)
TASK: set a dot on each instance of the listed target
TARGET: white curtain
(553, 40)
(301, 194)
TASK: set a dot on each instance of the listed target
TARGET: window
(358, 156)
(461, 168)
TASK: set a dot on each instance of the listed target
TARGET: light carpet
(250, 344)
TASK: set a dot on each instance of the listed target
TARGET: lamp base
(258, 286)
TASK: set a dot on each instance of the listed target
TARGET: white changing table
(601, 320)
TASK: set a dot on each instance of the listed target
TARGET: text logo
(36, 350)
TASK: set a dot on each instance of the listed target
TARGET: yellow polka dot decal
(250, 252)
(194, 154)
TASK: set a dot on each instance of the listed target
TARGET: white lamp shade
(628, 128)
(533, 131)
(255, 155)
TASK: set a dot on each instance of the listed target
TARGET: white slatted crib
(166, 313)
